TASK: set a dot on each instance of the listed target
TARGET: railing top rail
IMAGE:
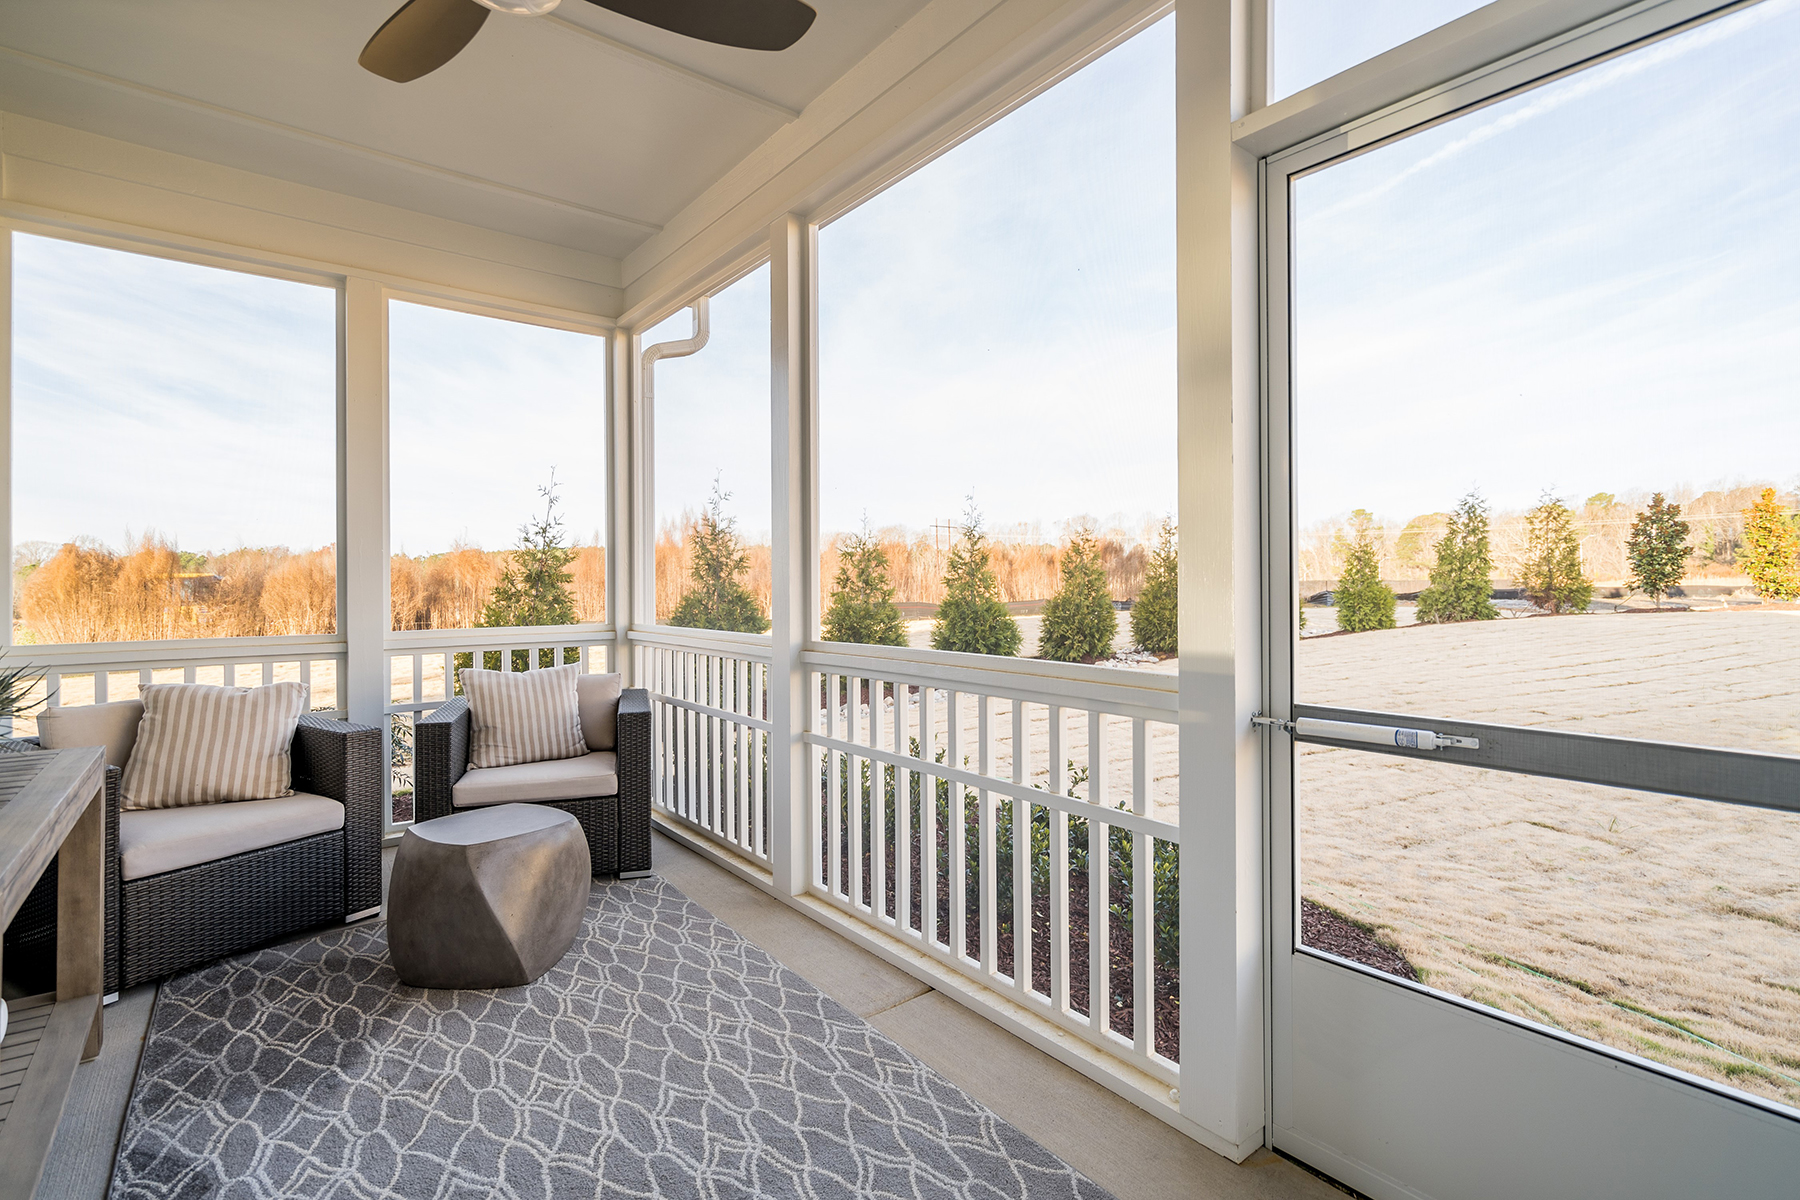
(507, 636)
(1126, 693)
(1122, 818)
(73, 656)
(754, 646)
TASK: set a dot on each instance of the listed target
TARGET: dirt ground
(1663, 926)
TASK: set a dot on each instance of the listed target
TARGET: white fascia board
(58, 176)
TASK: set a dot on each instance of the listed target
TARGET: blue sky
(1312, 40)
(157, 395)
(1590, 287)
(480, 412)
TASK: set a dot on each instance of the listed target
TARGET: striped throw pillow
(201, 744)
(522, 716)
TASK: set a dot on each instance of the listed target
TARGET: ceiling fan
(425, 34)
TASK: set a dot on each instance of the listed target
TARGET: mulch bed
(1323, 929)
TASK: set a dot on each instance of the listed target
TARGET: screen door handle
(1374, 735)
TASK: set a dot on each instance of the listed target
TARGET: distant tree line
(1549, 571)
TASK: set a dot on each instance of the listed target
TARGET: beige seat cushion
(595, 774)
(203, 744)
(113, 726)
(152, 841)
(598, 698)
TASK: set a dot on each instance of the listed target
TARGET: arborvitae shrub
(1153, 613)
(1657, 548)
(535, 588)
(1771, 553)
(716, 598)
(1551, 575)
(862, 597)
(972, 618)
(1079, 621)
(1461, 584)
(1363, 601)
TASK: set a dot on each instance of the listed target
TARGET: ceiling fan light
(521, 8)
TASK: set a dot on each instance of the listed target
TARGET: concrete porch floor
(1112, 1142)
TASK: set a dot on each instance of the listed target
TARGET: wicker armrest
(342, 760)
(634, 748)
(440, 757)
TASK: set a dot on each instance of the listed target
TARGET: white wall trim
(68, 179)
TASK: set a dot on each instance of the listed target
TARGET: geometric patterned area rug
(665, 1056)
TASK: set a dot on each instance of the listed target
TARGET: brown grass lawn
(1662, 926)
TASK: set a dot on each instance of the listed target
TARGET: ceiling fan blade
(421, 37)
(748, 24)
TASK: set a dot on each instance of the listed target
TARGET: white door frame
(1395, 1088)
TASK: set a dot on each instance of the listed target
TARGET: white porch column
(1222, 785)
(793, 416)
(620, 540)
(364, 607)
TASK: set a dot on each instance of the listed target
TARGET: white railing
(98, 672)
(709, 697)
(422, 666)
(924, 765)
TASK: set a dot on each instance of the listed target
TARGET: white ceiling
(584, 129)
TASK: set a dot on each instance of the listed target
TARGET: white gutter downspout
(643, 527)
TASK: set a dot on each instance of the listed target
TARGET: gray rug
(664, 1056)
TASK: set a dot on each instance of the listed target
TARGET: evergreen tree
(716, 598)
(1363, 601)
(1079, 621)
(1771, 553)
(1551, 575)
(972, 618)
(862, 599)
(535, 588)
(1153, 613)
(1461, 580)
(1657, 548)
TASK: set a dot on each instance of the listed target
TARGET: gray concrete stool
(488, 898)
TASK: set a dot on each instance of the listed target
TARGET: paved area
(1663, 926)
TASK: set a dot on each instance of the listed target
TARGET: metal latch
(1373, 735)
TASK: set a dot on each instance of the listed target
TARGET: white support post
(1222, 786)
(364, 608)
(793, 375)
(620, 562)
(6, 428)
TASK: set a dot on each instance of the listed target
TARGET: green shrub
(1154, 612)
(1079, 621)
(862, 598)
(1657, 549)
(1363, 601)
(1771, 553)
(716, 599)
(1462, 586)
(1551, 576)
(535, 588)
(972, 619)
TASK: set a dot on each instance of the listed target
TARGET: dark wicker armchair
(617, 826)
(161, 924)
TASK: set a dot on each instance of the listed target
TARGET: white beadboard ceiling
(583, 129)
